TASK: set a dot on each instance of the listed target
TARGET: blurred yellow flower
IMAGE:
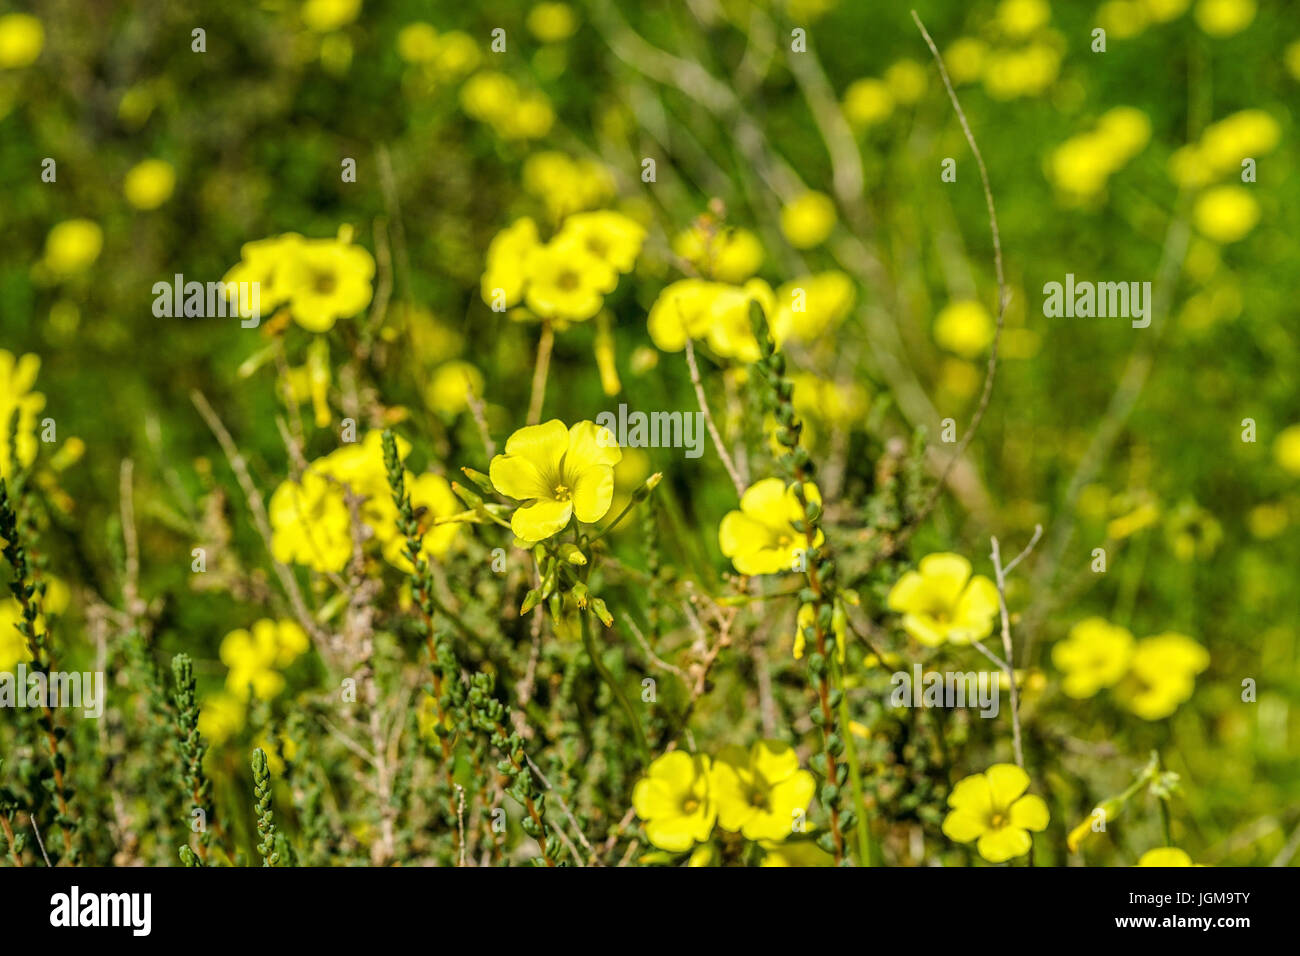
(1122, 19)
(565, 281)
(417, 43)
(1095, 655)
(803, 853)
(993, 808)
(965, 60)
(21, 40)
(1162, 11)
(17, 376)
(674, 802)
(503, 276)
(566, 185)
(327, 280)
(552, 22)
(255, 657)
(726, 254)
(761, 793)
(609, 236)
(1162, 675)
(1081, 166)
(514, 113)
(1292, 58)
(1226, 213)
(808, 220)
(964, 327)
(556, 473)
(149, 184)
(807, 618)
(450, 386)
(1222, 18)
(941, 601)
(323, 16)
(1165, 856)
(221, 716)
(1286, 447)
(1027, 71)
(809, 307)
(761, 537)
(310, 524)
(72, 246)
(868, 102)
(13, 645)
(1021, 18)
(907, 81)
(432, 498)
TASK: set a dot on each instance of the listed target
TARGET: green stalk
(589, 643)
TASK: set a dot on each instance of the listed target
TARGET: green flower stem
(863, 827)
(589, 643)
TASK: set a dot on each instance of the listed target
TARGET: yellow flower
(989, 807)
(942, 602)
(1241, 135)
(1162, 675)
(906, 80)
(761, 537)
(417, 43)
(1163, 11)
(802, 853)
(1165, 856)
(565, 281)
(807, 220)
(806, 618)
(558, 473)
(1226, 213)
(868, 102)
(457, 53)
(1026, 71)
(506, 255)
(149, 184)
(965, 59)
(326, 15)
(1122, 19)
(1020, 18)
(21, 40)
(450, 386)
(811, 306)
(1286, 447)
(221, 716)
(609, 236)
(432, 498)
(1081, 166)
(730, 332)
(674, 802)
(72, 246)
(253, 657)
(965, 328)
(17, 376)
(552, 22)
(327, 280)
(310, 524)
(1222, 18)
(726, 255)
(681, 311)
(1095, 655)
(496, 99)
(263, 262)
(13, 646)
(763, 793)
(566, 185)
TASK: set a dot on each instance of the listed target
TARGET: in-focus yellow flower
(149, 184)
(609, 236)
(558, 473)
(1161, 675)
(1165, 856)
(21, 40)
(761, 793)
(989, 807)
(326, 15)
(1226, 213)
(221, 716)
(1286, 447)
(310, 524)
(552, 22)
(674, 802)
(1021, 18)
(327, 280)
(868, 102)
(1095, 655)
(761, 537)
(940, 601)
(965, 328)
(807, 220)
(1223, 18)
(17, 376)
(726, 254)
(255, 657)
(907, 81)
(72, 246)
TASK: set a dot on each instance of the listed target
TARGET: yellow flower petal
(998, 846)
(1006, 783)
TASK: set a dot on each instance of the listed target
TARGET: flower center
(690, 805)
(324, 282)
(567, 280)
(998, 821)
(562, 493)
